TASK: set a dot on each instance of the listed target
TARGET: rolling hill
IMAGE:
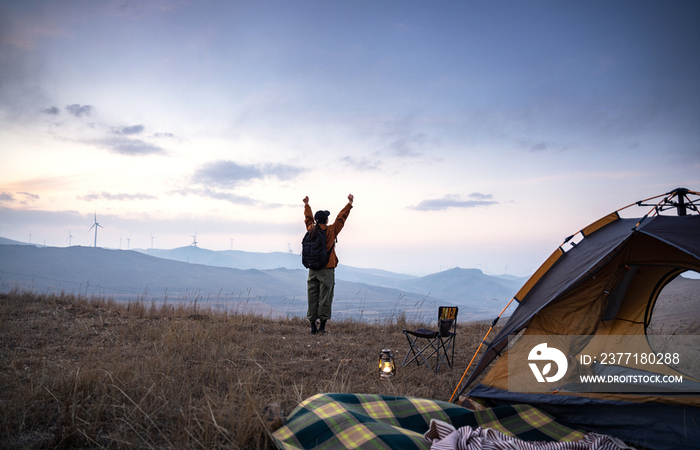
(270, 287)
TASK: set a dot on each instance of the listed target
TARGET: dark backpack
(313, 249)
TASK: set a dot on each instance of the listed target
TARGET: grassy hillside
(95, 373)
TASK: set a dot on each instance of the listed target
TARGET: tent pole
(681, 203)
(479, 349)
(656, 207)
(638, 203)
(681, 206)
(666, 199)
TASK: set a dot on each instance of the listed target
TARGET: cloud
(8, 197)
(228, 174)
(134, 129)
(480, 196)
(122, 143)
(26, 217)
(78, 110)
(363, 164)
(408, 144)
(281, 171)
(59, 222)
(166, 135)
(129, 147)
(405, 138)
(54, 111)
(221, 195)
(225, 174)
(473, 200)
(89, 197)
(116, 197)
(541, 146)
(30, 195)
(217, 180)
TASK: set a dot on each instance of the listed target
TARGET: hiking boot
(322, 328)
(314, 330)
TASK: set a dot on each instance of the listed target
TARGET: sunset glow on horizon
(472, 134)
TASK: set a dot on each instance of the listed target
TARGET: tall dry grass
(95, 373)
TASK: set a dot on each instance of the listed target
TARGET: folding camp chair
(440, 342)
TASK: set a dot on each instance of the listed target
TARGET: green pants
(320, 293)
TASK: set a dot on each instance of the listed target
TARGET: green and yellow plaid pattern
(365, 421)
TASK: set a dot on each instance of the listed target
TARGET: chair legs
(445, 344)
(441, 346)
(413, 350)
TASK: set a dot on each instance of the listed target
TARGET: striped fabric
(359, 421)
(444, 436)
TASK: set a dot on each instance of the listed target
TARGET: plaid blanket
(359, 421)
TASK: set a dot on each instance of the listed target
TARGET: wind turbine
(152, 237)
(128, 240)
(194, 240)
(95, 226)
(231, 244)
(70, 237)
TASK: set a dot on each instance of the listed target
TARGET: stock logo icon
(541, 352)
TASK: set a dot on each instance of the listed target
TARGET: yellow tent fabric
(604, 286)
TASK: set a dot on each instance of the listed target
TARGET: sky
(474, 134)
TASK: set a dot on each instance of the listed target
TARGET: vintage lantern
(387, 368)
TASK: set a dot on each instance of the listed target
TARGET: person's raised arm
(343, 215)
(308, 214)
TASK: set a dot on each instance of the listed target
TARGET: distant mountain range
(270, 283)
(5, 241)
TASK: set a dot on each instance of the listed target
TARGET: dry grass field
(94, 373)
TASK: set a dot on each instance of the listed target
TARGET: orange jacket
(331, 230)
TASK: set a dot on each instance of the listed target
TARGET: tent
(594, 297)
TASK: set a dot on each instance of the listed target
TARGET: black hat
(322, 216)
